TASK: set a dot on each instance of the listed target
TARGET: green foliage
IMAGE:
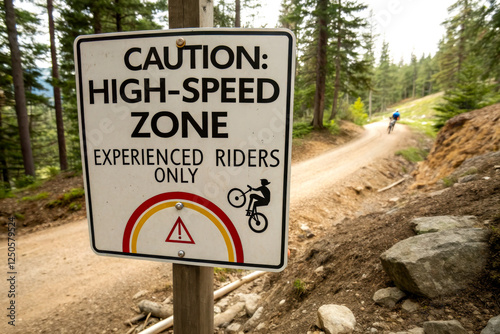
(24, 181)
(67, 198)
(299, 287)
(301, 129)
(222, 274)
(74, 206)
(37, 197)
(53, 171)
(449, 181)
(5, 191)
(332, 127)
(19, 215)
(470, 93)
(470, 171)
(413, 154)
(357, 112)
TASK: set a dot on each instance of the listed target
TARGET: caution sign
(186, 144)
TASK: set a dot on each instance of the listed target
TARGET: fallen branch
(391, 185)
(167, 323)
(135, 319)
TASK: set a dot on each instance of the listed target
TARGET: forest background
(339, 74)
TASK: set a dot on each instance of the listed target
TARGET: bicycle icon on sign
(256, 220)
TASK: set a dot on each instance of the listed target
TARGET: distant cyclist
(394, 118)
(396, 115)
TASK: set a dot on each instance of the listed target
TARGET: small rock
(140, 294)
(305, 228)
(388, 297)
(319, 270)
(233, 328)
(336, 319)
(260, 326)
(394, 199)
(444, 327)
(283, 301)
(467, 178)
(228, 315)
(409, 306)
(254, 320)
(416, 330)
(251, 302)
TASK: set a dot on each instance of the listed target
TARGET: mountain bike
(257, 221)
(390, 128)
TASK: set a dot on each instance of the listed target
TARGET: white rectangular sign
(186, 144)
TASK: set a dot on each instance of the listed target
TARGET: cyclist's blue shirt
(395, 115)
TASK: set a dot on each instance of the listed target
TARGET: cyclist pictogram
(237, 198)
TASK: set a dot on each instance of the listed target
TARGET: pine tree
(319, 97)
(61, 140)
(19, 94)
(469, 94)
(384, 79)
(350, 69)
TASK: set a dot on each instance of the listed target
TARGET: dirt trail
(59, 275)
(311, 177)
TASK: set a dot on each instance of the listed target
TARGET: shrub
(37, 197)
(332, 126)
(299, 287)
(301, 129)
(67, 198)
(358, 113)
(413, 154)
(24, 181)
(449, 181)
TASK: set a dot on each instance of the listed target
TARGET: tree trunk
(337, 68)
(3, 161)
(319, 96)
(19, 96)
(237, 16)
(370, 104)
(118, 17)
(96, 13)
(63, 160)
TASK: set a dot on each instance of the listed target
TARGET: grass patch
(418, 114)
(67, 198)
(470, 171)
(221, 274)
(299, 287)
(37, 197)
(449, 181)
(413, 154)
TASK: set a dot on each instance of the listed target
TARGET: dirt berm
(341, 264)
(464, 136)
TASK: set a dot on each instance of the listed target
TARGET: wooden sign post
(193, 285)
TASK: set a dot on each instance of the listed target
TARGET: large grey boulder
(336, 319)
(493, 326)
(437, 264)
(444, 327)
(423, 225)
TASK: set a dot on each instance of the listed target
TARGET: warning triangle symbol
(179, 233)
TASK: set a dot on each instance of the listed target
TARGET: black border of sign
(184, 32)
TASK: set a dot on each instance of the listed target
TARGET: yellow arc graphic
(197, 208)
